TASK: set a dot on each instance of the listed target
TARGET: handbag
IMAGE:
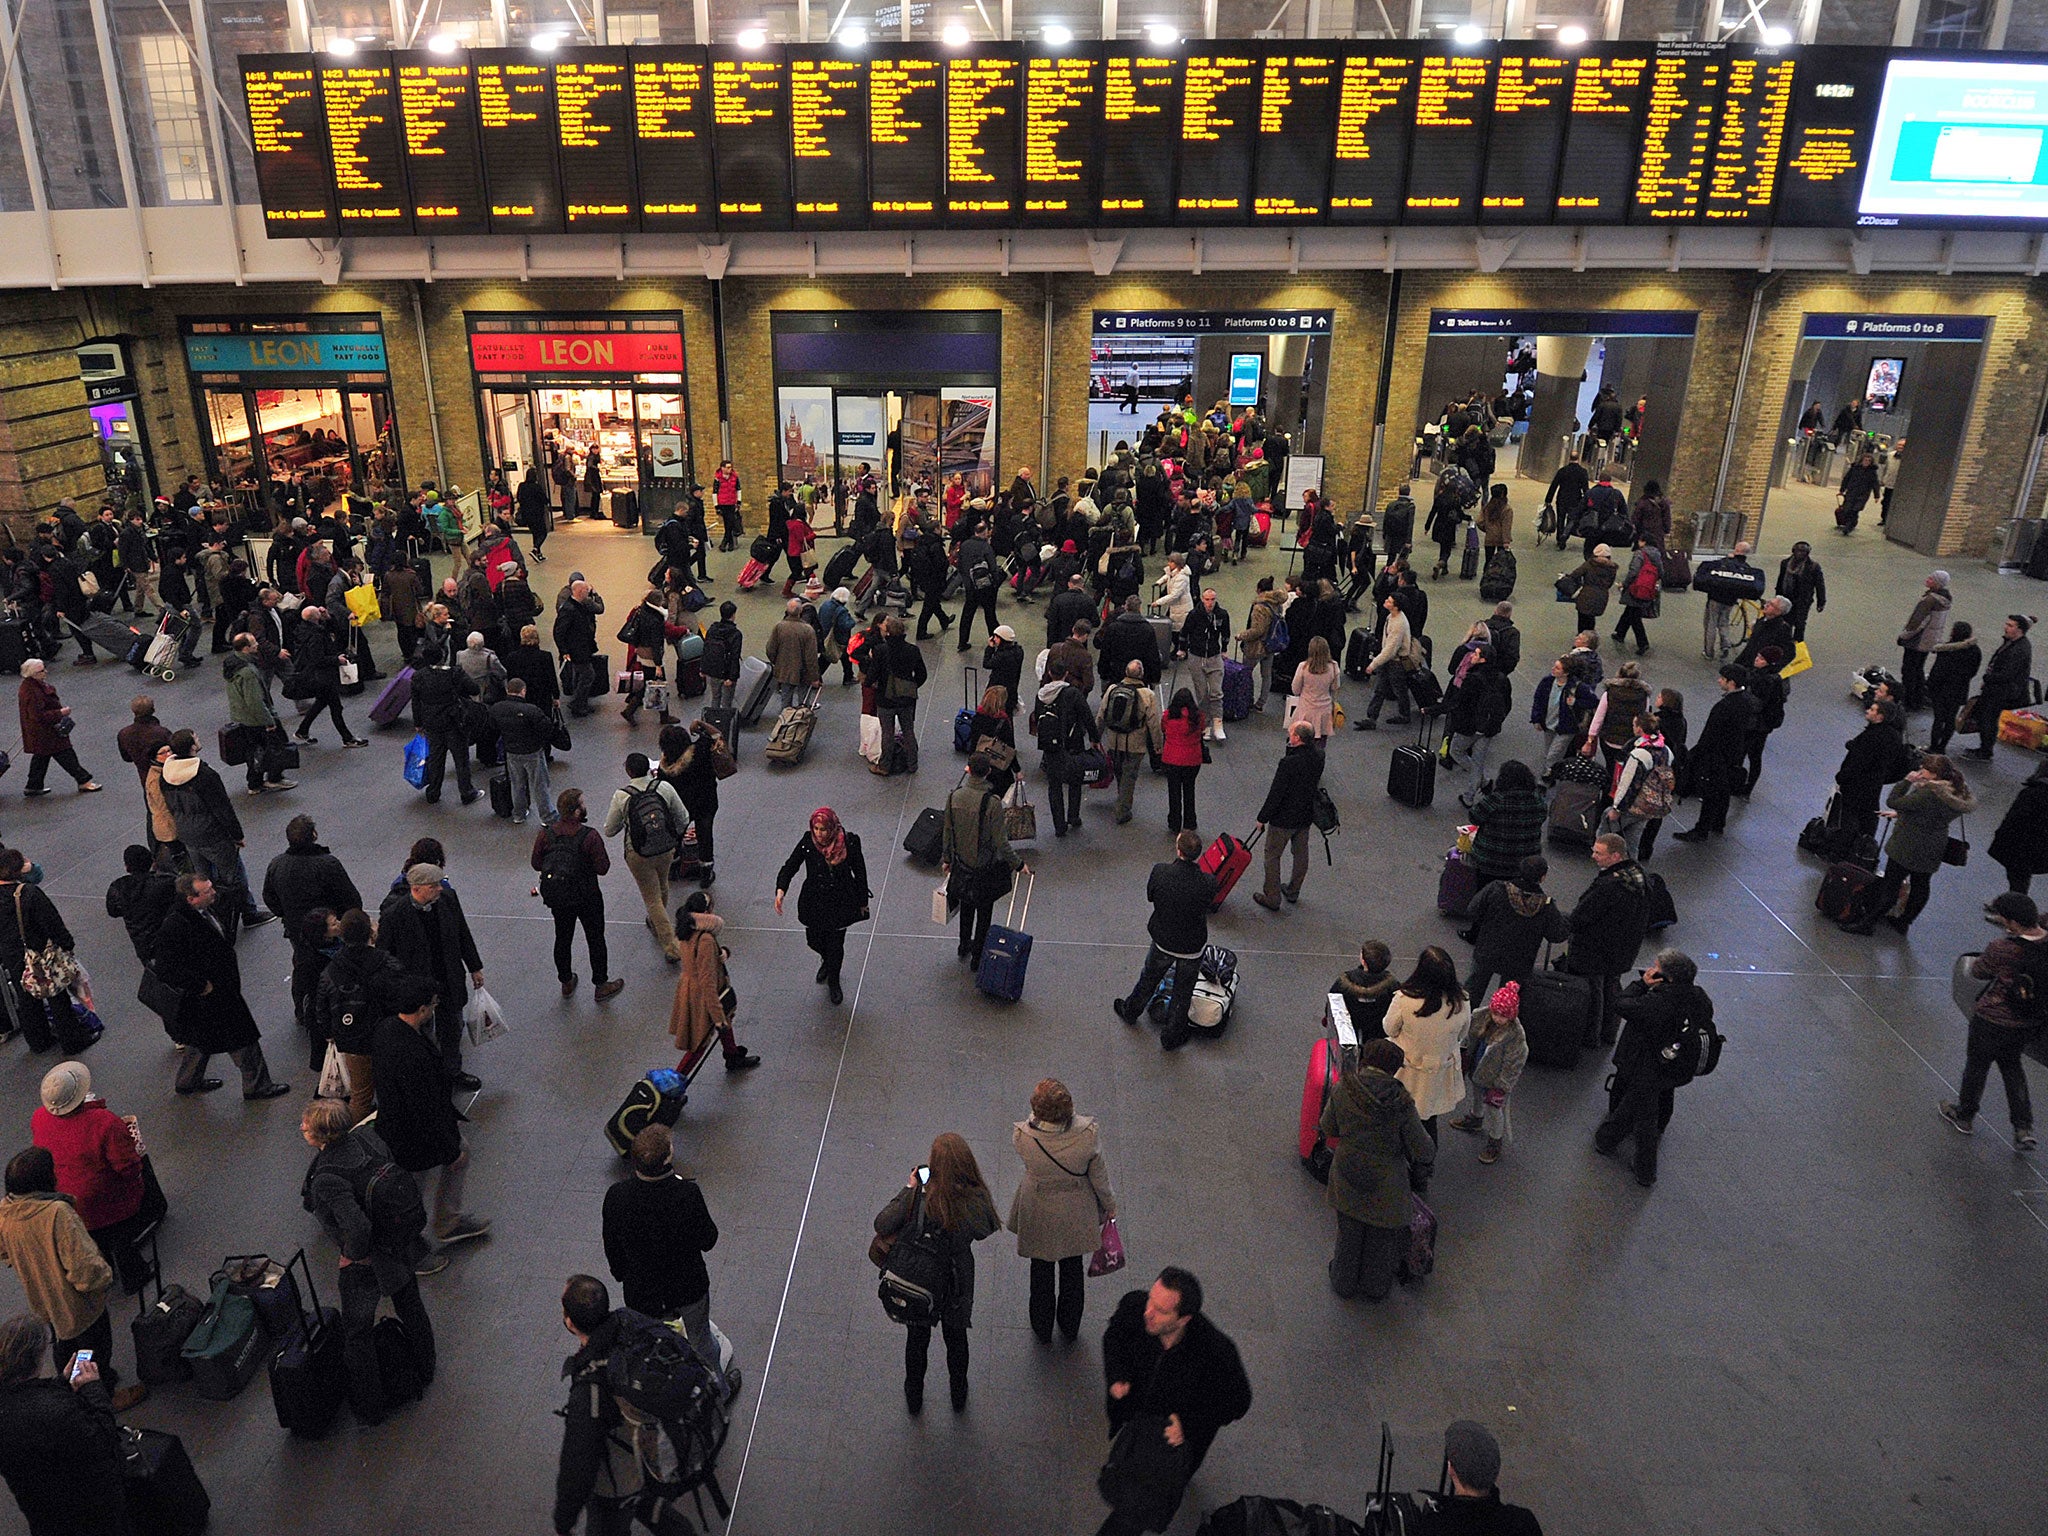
(1144, 1478)
(1087, 764)
(723, 764)
(1020, 816)
(1108, 1257)
(1802, 661)
(559, 738)
(942, 911)
(1957, 850)
(159, 996)
(49, 971)
(1000, 754)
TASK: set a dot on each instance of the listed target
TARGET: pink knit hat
(1506, 1001)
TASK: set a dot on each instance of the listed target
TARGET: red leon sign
(577, 352)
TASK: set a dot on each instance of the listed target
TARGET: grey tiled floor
(1824, 1318)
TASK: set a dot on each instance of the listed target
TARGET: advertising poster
(805, 416)
(967, 437)
(863, 437)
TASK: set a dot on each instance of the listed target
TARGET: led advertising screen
(1958, 141)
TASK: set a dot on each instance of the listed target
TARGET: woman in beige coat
(705, 1001)
(1430, 1018)
(1061, 1205)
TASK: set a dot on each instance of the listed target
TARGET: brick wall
(48, 448)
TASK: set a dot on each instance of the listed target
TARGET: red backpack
(1642, 586)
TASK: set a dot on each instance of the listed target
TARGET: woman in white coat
(1060, 1207)
(1176, 590)
(1430, 1017)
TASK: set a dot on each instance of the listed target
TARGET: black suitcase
(626, 509)
(1556, 1007)
(1411, 773)
(1424, 690)
(1842, 891)
(307, 1376)
(656, 1099)
(723, 721)
(501, 794)
(163, 1493)
(1468, 563)
(1358, 654)
(926, 839)
(13, 646)
(162, 1326)
(398, 1364)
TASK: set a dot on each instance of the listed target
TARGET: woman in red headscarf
(835, 894)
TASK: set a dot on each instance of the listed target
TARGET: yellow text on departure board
(978, 95)
(665, 97)
(1058, 95)
(822, 92)
(585, 95)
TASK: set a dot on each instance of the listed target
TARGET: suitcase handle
(970, 691)
(1013, 919)
(156, 1268)
(300, 1262)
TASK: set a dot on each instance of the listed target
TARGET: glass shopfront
(570, 388)
(302, 403)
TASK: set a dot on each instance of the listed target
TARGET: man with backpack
(1132, 732)
(371, 1209)
(651, 814)
(570, 858)
(981, 573)
(2008, 1014)
(1668, 1040)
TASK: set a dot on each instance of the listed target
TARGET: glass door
(508, 432)
(227, 429)
(373, 441)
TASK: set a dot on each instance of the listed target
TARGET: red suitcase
(1227, 859)
(751, 574)
(1262, 529)
(1327, 1061)
(1842, 889)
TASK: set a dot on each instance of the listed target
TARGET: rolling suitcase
(1411, 772)
(162, 1326)
(1468, 563)
(1261, 530)
(1574, 815)
(1006, 954)
(1842, 891)
(1498, 584)
(1226, 859)
(1237, 690)
(690, 682)
(926, 839)
(398, 1364)
(1457, 885)
(307, 1377)
(1555, 1008)
(656, 1099)
(1328, 1060)
(1677, 570)
(750, 575)
(501, 794)
(394, 700)
(963, 718)
(1163, 637)
(626, 509)
(13, 646)
(1358, 654)
(163, 1493)
(751, 696)
(723, 721)
(790, 737)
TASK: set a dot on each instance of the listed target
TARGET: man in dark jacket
(1771, 632)
(981, 573)
(1768, 689)
(1565, 501)
(1126, 638)
(1651, 1059)
(2006, 1016)
(724, 649)
(531, 665)
(437, 694)
(1716, 759)
(1181, 894)
(1472, 1505)
(376, 1259)
(902, 674)
(1507, 640)
(306, 876)
(142, 898)
(1288, 812)
(416, 1119)
(194, 954)
(657, 1230)
(1607, 928)
(60, 1446)
(525, 730)
(1205, 639)
(1070, 605)
(423, 928)
(1162, 1359)
(138, 740)
(576, 640)
(598, 1475)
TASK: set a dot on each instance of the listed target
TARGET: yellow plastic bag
(1802, 661)
(362, 602)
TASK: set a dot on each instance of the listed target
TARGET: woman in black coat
(194, 956)
(536, 516)
(316, 677)
(2020, 845)
(1956, 661)
(951, 1202)
(835, 894)
(60, 1446)
(2007, 679)
(1876, 757)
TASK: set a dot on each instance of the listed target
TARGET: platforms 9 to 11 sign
(662, 139)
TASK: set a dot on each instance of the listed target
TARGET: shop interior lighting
(752, 37)
(1160, 35)
(852, 37)
(1571, 37)
(1057, 36)
(954, 35)
(1468, 36)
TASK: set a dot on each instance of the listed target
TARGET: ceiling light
(752, 37)
(1055, 35)
(1777, 37)
(853, 37)
(443, 42)
(547, 42)
(342, 47)
(1468, 35)
(954, 35)
(1160, 35)
(1571, 37)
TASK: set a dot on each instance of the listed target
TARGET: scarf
(828, 835)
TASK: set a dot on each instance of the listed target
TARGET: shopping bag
(349, 674)
(362, 602)
(483, 1018)
(333, 1080)
(1109, 1258)
(940, 911)
(416, 761)
(871, 738)
(1802, 661)
(656, 697)
(631, 682)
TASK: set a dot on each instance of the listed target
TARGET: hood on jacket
(1080, 1129)
(234, 664)
(1049, 692)
(1525, 903)
(1376, 1096)
(181, 770)
(1961, 801)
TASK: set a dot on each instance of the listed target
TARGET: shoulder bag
(46, 972)
(1957, 851)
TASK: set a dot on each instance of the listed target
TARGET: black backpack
(672, 1403)
(561, 868)
(1123, 709)
(1694, 1053)
(2026, 990)
(917, 1281)
(390, 1197)
(649, 832)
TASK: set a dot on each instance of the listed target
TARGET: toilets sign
(1896, 327)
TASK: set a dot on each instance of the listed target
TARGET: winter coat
(1507, 645)
(1625, 698)
(199, 801)
(698, 1009)
(60, 1451)
(337, 1180)
(1510, 823)
(1927, 625)
(1003, 660)
(1653, 1018)
(1290, 801)
(1803, 587)
(1259, 620)
(975, 1219)
(1496, 523)
(656, 1233)
(2021, 842)
(1596, 585)
(2006, 677)
(30, 925)
(417, 1119)
(1955, 664)
(1653, 520)
(1920, 832)
(1315, 697)
(142, 902)
(1608, 924)
(1499, 1062)
(1430, 1041)
(437, 695)
(98, 1164)
(1876, 756)
(192, 954)
(1479, 705)
(1650, 607)
(66, 1279)
(249, 703)
(300, 879)
(1512, 925)
(1201, 1380)
(1182, 740)
(402, 927)
(793, 653)
(1379, 1136)
(832, 896)
(359, 986)
(1725, 736)
(1575, 703)
(41, 710)
(1064, 1197)
(1126, 638)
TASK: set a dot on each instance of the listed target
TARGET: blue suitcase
(1237, 690)
(1007, 953)
(963, 722)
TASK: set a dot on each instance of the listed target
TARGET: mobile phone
(79, 1361)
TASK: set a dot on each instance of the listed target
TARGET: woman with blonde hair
(1060, 1206)
(946, 1198)
(1315, 689)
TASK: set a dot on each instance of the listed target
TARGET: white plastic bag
(333, 1076)
(871, 738)
(349, 674)
(483, 1018)
(939, 908)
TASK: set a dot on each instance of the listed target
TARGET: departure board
(1140, 136)
(1678, 131)
(1375, 119)
(594, 115)
(1445, 158)
(1219, 118)
(294, 175)
(750, 134)
(1602, 138)
(828, 139)
(906, 138)
(1062, 101)
(984, 137)
(1827, 136)
(1532, 95)
(1749, 135)
(437, 110)
(515, 116)
(363, 138)
(1297, 118)
(672, 139)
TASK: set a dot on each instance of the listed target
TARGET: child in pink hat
(1500, 1051)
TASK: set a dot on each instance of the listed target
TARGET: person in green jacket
(976, 857)
(253, 718)
(1380, 1138)
(1922, 805)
